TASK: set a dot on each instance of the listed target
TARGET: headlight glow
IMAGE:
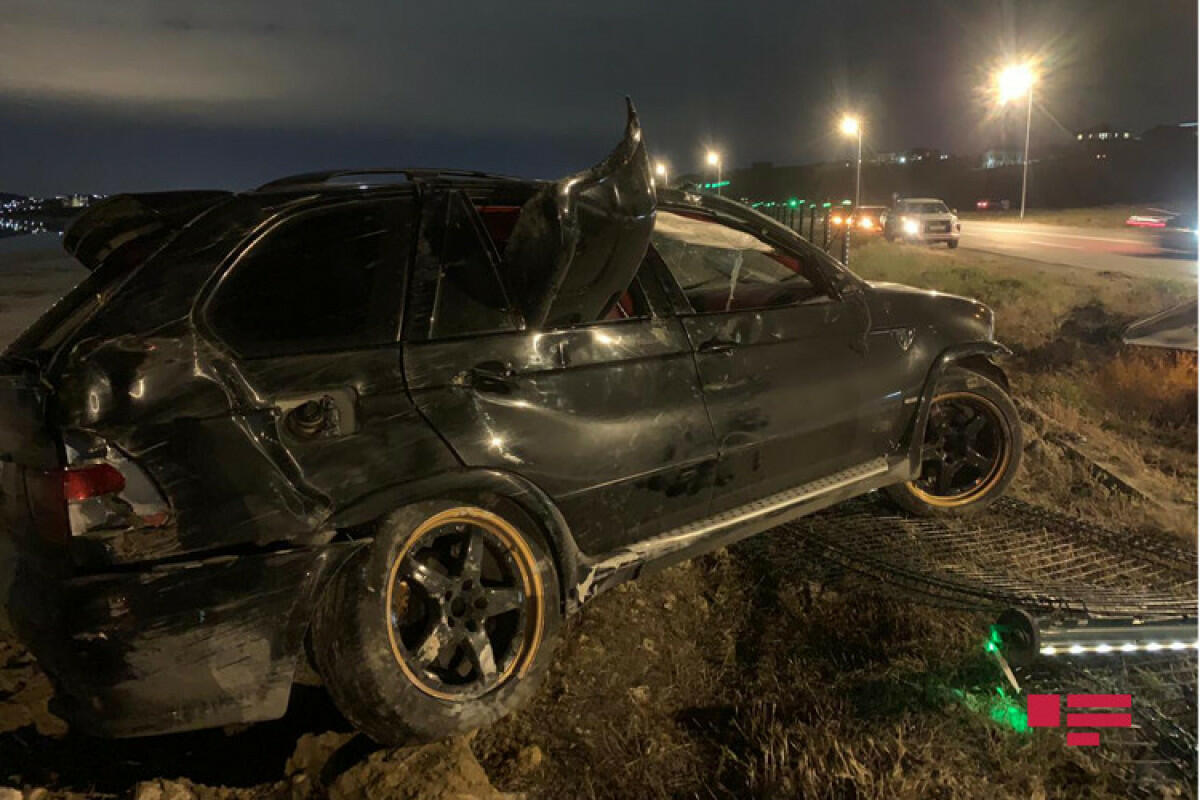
(911, 226)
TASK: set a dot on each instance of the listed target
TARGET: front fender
(972, 354)
(476, 484)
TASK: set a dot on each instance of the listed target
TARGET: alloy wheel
(965, 451)
(465, 604)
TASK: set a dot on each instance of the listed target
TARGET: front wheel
(971, 449)
(952, 243)
(444, 624)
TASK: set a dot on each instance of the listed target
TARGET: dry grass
(1153, 385)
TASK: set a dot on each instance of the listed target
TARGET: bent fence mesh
(1053, 566)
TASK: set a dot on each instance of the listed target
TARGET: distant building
(1000, 157)
(917, 155)
(1100, 140)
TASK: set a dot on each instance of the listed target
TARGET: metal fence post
(825, 232)
(846, 241)
(812, 221)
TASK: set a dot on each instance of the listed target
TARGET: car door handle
(488, 376)
(717, 345)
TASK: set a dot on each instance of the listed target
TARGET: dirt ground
(744, 673)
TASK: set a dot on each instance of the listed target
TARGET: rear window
(324, 280)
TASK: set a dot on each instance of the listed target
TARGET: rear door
(600, 406)
(312, 311)
(780, 357)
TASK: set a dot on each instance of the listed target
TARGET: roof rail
(399, 174)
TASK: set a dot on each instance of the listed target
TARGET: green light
(793, 202)
(826, 205)
(1000, 708)
(716, 185)
(1009, 714)
(845, 202)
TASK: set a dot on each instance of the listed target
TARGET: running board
(736, 523)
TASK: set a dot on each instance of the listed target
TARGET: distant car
(992, 205)
(1178, 236)
(1172, 232)
(864, 219)
(922, 219)
(403, 422)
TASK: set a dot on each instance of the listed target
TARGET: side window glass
(630, 304)
(499, 221)
(720, 268)
(325, 280)
(469, 297)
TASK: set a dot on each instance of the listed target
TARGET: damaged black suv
(403, 422)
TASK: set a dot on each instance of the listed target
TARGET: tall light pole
(714, 160)
(660, 170)
(1012, 82)
(852, 127)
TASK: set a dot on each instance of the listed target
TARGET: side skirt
(686, 542)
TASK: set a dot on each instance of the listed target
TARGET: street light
(714, 160)
(660, 169)
(1012, 83)
(851, 127)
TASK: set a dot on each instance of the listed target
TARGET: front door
(780, 357)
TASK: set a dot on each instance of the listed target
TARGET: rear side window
(470, 297)
(325, 280)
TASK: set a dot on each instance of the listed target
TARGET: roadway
(1099, 249)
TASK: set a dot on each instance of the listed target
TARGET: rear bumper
(173, 648)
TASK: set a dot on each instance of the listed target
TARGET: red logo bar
(1080, 739)
(1099, 720)
(1099, 701)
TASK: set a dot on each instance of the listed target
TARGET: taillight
(92, 480)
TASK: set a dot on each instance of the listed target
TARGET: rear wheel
(446, 623)
(971, 448)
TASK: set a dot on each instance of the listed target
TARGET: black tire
(981, 466)
(403, 690)
(952, 244)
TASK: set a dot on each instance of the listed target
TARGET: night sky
(123, 95)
